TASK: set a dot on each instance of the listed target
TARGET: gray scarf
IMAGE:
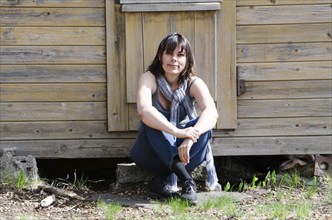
(177, 97)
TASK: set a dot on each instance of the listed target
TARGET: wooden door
(133, 35)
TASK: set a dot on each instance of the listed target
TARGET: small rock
(47, 201)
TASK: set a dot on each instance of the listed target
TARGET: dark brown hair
(168, 44)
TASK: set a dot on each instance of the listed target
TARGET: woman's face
(174, 62)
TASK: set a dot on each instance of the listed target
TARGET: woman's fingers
(184, 150)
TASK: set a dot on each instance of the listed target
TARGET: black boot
(189, 191)
(160, 189)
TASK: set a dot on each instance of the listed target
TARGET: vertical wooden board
(184, 23)
(226, 62)
(116, 79)
(205, 42)
(134, 53)
(155, 27)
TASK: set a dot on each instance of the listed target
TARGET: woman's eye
(181, 54)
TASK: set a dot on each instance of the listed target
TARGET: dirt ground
(26, 204)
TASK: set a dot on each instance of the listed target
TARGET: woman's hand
(184, 150)
(187, 133)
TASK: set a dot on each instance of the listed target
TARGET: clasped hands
(190, 136)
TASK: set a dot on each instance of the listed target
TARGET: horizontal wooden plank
(285, 71)
(52, 36)
(279, 2)
(287, 89)
(52, 111)
(272, 145)
(53, 92)
(284, 52)
(52, 73)
(112, 148)
(308, 126)
(284, 14)
(52, 55)
(57, 17)
(165, 1)
(54, 3)
(61, 130)
(284, 108)
(288, 33)
(171, 7)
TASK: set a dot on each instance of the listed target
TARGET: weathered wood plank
(272, 145)
(54, 3)
(285, 71)
(164, 1)
(52, 73)
(285, 108)
(280, 2)
(112, 148)
(205, 43)
(52, 55)
(52, 111)
(134, 53)
(288, 33)
(60, 17)
(210, 6)
(60, 130)
(116, 69)
(31, 36)
(284, 52)
(53, 92)
(307, 126)
(226, 66)
(159, 24)
(184, 23)
(284, 14)
(287, 89)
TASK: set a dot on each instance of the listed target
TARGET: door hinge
(240, 87)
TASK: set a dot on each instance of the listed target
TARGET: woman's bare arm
(151, 116)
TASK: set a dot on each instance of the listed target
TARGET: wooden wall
(53, 79)
(53, 100)
(284, 56)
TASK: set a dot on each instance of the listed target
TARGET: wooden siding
(53, 79)
(284, 56)
(53, 96)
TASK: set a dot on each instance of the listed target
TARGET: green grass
(109, 210)
(227, 205)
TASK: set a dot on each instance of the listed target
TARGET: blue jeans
(154, 150)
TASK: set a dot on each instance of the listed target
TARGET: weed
(226, 204)
(302, 211)
(329, 179)
(177, 205)
(227, 187)
(110, 210)
(313, 188)
(22, 180)
(253, 182)
(81, 182)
